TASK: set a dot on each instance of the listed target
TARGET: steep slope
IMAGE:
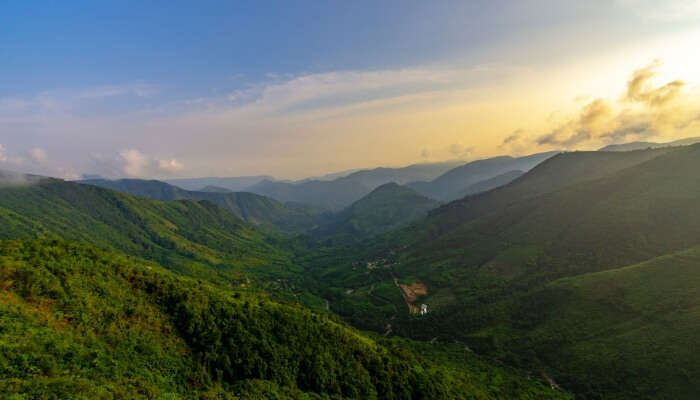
(628, 216)
(649, 145)
(78, 322)
(489, 184)
(385, 208)
(476, 261)
(623, 333)
(197, 239)
(340, 193)
(255, 209)
(476, 273)
(453, 183)
(555, 173)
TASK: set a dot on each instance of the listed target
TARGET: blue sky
(199, 46)
(298, 88)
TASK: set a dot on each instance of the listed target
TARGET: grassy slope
(77, 322)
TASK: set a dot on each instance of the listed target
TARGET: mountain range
(581, 268)
(459, 181)
(255, 209)
(577, 274)
(387, 207)
(107, 295)
(234, 184)
(649, 145)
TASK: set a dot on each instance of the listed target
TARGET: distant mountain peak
(631, 146)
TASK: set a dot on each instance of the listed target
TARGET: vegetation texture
(77, 322)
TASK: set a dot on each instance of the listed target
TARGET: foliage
(253, 208)
(78, 322)
(488, 262)
(195, 239)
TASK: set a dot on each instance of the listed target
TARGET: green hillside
(477, 248)
(255, 209)
(196, 239)
(557, 172)
(622, 333)
(477, 261)
(388, 207)
(82, 323)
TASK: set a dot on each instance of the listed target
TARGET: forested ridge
(79, 322)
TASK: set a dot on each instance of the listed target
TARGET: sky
(292, 89)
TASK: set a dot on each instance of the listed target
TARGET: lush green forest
(78, 322)
(580, 273)
(492, 263)
(196, 239)
(255, 209)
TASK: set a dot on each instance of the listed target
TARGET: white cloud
(3, 155)
(170, 166)
(38, 154)
(135, 162)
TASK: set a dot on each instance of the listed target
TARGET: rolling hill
(78, 322)
(387, 207)
(649, 145)
(489, 184)
(621, 333)
(193, 238)
(255, 209)
(535, 273)
(339, 193)
(216, 189)
(454, 183)
(555, 173)
(234, 184)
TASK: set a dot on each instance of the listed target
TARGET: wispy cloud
(331, 119)
(640, 89)
(646, 109)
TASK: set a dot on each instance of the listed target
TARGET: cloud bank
(302, 125)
